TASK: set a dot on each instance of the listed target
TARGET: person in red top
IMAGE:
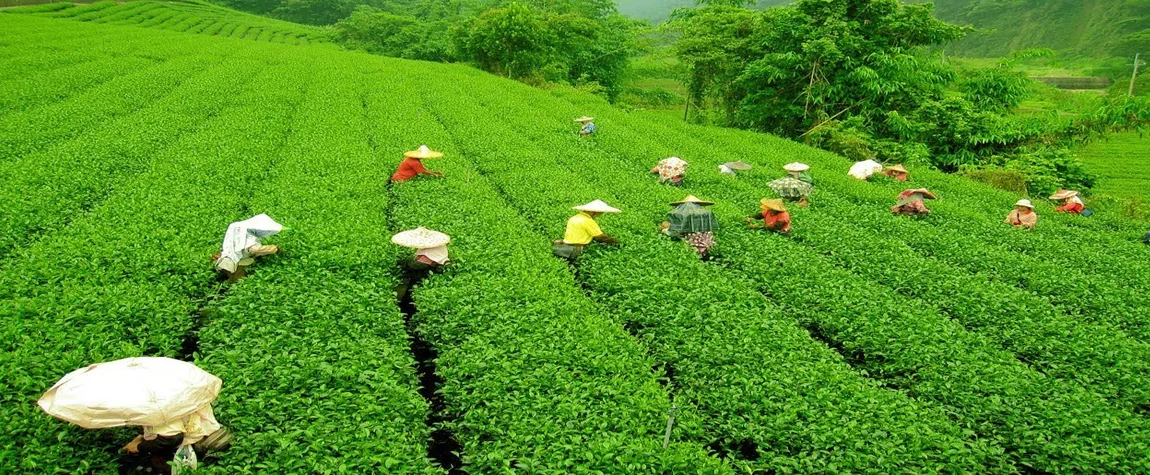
(411, 166)
(774, 215)
(898, 172)
(1071, 203)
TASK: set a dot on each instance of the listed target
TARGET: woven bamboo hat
(693, 199)
(584, 118)
(423, 152)
(597, 206)
(924, 192)
(773, 204)
(796, 167)
(1025, 204)
(1063, 194)
(739, 165)
(897, 168)
(421, 238)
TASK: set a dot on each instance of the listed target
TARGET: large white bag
(131, 392)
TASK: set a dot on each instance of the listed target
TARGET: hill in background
(1087, 27)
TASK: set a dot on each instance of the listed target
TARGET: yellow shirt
(581, 229)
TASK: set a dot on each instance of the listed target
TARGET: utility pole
(1134, 76)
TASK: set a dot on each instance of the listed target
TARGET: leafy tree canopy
(857, 77)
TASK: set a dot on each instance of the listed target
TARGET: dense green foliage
(862, 342)
(856, 77)
(1097, 28)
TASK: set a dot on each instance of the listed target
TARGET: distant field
(181, 16)
(1123, 164)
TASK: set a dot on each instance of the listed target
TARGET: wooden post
(1134, 76)
(670, 424)
(687, 108)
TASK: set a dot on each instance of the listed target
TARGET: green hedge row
(126, 278)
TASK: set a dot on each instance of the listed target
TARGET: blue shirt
(588, 129)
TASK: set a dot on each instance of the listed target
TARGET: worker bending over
(1023, 215)
(582, 229)
(692, 222)
(774, 215)
(412, 164)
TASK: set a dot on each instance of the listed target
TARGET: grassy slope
(613, 164)
(1123, 165)
(183, 16)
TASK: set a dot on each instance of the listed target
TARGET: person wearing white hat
(588, 127)
(671, 170)
(1071, 202)
(242, 245)
(731, 168)
(430, 248)
(582, 229)
(1023, 215)
(412, 164)
(800, 172)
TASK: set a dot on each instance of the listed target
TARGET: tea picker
(774, 215)
(1071, 202)
(671, 170)
(588, 126)
(691, 221)
(170, 399)
(731, 168)
(864, 169)
(582, 229)
(1023, 215)
(796, 186)
(430, 248)
(412, 164)
(898, 172)
(910, 202)
(242, 245)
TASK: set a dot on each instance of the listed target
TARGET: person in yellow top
(582, 229)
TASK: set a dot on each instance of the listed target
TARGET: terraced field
(187, 16)
(861, 342)
(1123, 165)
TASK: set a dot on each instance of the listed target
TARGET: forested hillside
(1090, 27)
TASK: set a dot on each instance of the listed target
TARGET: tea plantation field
(860, 343)
(1123, 165)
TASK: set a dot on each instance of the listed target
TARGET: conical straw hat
(1063, 194)
(421, 238)
(597, 206)
(693, 199)
(925, 193)
(1025, 204)
(423, 152)
(739, 165)
(584, 119)
(796, 167)
(898, 168)
(773, 204)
